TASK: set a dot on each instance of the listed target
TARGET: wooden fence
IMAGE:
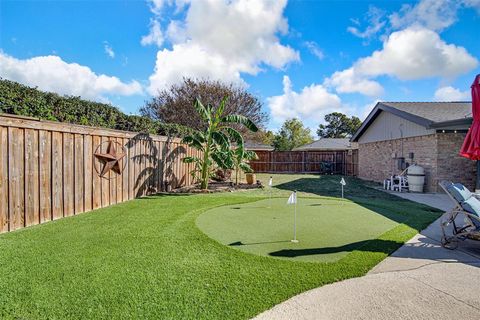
(48, 169)
(343, 162)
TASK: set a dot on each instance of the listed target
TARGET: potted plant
(241, 158)
(251, 177)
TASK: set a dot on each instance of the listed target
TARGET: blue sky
(303, 58)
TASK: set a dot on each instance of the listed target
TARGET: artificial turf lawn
(147, 259)
(327, 228)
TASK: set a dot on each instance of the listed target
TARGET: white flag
(342, 182)
(270, 183)
(292, 199)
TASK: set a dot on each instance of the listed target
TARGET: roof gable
(426, 114)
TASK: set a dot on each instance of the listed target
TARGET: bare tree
(175, 104)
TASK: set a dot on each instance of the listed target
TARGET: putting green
(327, 229)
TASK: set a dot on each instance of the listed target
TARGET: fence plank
(131, 169)
(32, 206)
(68, 175)
(57, 175)
(125, 171)
(112, 178)
(45, 168)
(118, 177)
(105, 181)
(161, 163)
(138, 168)
(4, 218)
(96, 179)
(79, 172)
(175, 171)
(16, 176)
(88, 174)
(143, 166)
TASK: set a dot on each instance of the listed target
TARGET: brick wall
(451, 166)
(437, 153)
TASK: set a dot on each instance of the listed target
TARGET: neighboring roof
(431, 115)
(327, 144)
(249, 145)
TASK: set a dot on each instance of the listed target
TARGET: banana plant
(216, 140)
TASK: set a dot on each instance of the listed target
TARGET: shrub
(22, 100)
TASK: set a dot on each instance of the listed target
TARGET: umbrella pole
(477, 185)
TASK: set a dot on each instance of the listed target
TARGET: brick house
(430, 134)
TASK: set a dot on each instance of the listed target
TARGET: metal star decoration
(110, 160)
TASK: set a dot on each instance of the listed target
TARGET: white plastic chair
(387, 183)
(399, 183)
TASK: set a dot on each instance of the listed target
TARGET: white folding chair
(399, 183)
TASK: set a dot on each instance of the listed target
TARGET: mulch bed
(218, 187)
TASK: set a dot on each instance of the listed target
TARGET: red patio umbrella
(471, 144)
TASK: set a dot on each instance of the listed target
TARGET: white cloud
(155, 36)
(108, 49)
(349, 81)
(375, 20)
(156, 6)
(190, 60)
(472, 3)
(410, 54)
(416, 53)
(314, 49)
(310, 105)
(176, 32)
(449, 93)
(51, 73)
(221, 40)
(431, 14)
(435, 15)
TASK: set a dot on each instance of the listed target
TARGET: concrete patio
(421, 280)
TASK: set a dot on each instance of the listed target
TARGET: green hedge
(22, 100)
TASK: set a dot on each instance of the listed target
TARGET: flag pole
(270, 185)
(295, 219)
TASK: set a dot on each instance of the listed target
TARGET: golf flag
(270, 183)
(292, 199)
(342, 182)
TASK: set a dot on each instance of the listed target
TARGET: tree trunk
(236, 175)
(205, 167)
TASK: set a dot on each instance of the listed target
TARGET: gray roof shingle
(435, 111)
(327, 144)
(250, 145)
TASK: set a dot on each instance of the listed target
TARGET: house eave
(457, 124)
(379, 107)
